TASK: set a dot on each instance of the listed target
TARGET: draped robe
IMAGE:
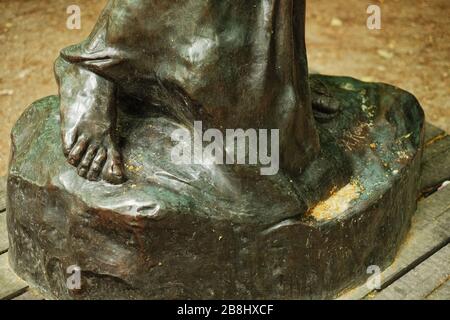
(231, 63)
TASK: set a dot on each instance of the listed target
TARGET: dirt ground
(412, 50)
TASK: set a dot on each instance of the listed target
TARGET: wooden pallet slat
(10, 285)
(432, 132)
(2, 194)
(420, 282)
(430, 231)
(435, 163)
(3, 234)
(441, 293)
(30, 294)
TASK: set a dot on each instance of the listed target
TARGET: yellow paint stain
(133, 168)
(337, 203)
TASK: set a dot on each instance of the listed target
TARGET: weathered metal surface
(231, 64)
(146, 227)
(156, 237)
(435, 204)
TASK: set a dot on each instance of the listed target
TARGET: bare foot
(88, 123)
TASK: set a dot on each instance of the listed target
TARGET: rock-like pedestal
(195, 232)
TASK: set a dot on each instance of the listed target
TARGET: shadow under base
(222, 232)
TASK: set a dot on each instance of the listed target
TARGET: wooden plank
(30, 294)
(3, 234)
(430, 231)
(420, 282)
(2, 194)
(441, 293)
(432, 132)
(435, 164)
(10, 285)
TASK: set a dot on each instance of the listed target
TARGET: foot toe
(83, 168)
(97, 165)
(68, 141)
(113, 170)
(77, 151)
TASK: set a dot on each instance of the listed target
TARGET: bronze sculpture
(141, 226)
(232, 64)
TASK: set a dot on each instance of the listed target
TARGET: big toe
(77, 152)
(68, 141)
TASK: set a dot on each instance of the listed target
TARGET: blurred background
(412, 49)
